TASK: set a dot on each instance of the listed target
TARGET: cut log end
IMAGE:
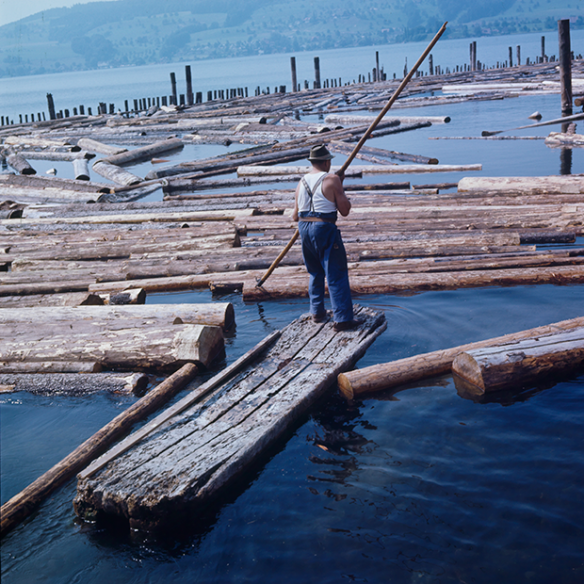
(345, 387)
(466, 368)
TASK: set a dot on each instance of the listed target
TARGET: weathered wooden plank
(195, 455)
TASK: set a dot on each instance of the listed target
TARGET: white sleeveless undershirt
(320, 203)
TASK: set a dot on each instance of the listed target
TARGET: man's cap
(320, 152)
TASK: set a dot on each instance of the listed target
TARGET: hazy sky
(11, 10)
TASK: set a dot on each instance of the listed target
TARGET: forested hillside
(137, 32)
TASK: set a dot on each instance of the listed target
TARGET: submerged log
(412, 369)
(522, 362)
(23, 504)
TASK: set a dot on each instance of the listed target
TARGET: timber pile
(154, 479)
(53, 349)
(396, 240)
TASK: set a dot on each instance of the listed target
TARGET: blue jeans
(324, 256)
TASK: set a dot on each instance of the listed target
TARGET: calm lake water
(420, 485)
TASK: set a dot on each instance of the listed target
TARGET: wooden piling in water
(565, 66)
(316, 73)
(173, 88)
(294, 77)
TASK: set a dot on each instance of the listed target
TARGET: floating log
(43, 182)
(348, 119)
(150, 348)
(74, 383)
(116, 174)
(20, 164)
(99, 147)
(145, 152)
(524, 184)
(521, 363)
(23, 504)
(67, 299)
(27, 140)
(131, 296)
(227, 215)
(81, 169)
(562, 140)
(50, 367)
(244, 171)
(56, 156)
(219, 437)
(412, 369)
(562, 120)
(220, 314)
(347, 148)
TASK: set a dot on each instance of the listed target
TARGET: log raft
(183, 464)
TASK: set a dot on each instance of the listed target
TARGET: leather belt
(313, 219)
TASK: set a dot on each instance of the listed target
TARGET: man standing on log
(319, 195)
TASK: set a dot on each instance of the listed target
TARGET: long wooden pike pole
(362, 141)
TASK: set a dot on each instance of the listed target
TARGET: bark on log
(68, 299)
(151, 348)
(244, 171)
(145, 152)
(103, 318)
(43, 182)
(524, 184)
(132, 296)
(50, 367)
(116, 174)
(521, 363)
(412, 369)
(348, 119)
(23, 504)
(75, 383)
(55, 156)
(81, 169)
(20, 164)
(99, 147)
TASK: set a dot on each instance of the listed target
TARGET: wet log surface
(522, 362)
(188, 460)
(411, 369)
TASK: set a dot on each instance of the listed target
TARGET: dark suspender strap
(309, 191)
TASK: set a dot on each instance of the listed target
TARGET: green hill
(138, 32)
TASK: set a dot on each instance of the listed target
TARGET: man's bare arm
(332, 189)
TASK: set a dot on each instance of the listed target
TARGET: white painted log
(243, 171)
(521, 363)
(523, 184)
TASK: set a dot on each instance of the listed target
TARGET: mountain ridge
(138, 32)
